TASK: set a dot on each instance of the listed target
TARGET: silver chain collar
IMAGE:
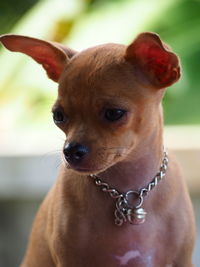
(126, 211)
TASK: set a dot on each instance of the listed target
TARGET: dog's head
(108, 96)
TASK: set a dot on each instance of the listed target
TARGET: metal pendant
(129, 204)
(130, 212)
(136, 216)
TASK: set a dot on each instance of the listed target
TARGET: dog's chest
(136, 257)
(88, 237)
(107, 255)
(91, 246)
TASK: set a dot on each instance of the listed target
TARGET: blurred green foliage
(12, 11)
(24, 88)
(180, 28)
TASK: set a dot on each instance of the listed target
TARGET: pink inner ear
(49, 62)
(155, 60)
(52, 68)
(52, 58)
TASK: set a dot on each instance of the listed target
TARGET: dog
(117, 200)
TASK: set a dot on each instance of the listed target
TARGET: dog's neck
(140, 166)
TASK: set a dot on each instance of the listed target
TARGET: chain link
(124, 210)
(105, 187)
(157, 178)
(114, 193)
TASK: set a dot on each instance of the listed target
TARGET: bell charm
(136, 216)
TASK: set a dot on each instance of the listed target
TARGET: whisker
(58, 165)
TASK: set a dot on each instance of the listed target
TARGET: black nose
(75, 152)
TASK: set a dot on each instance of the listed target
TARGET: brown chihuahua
(117, 200)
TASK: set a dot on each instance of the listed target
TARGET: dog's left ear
(52, 56)
(154, 59)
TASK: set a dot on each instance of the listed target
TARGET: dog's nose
(75, 152)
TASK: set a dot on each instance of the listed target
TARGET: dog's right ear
(52, 56)
(155, 59)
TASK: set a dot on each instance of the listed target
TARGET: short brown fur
(75, 226)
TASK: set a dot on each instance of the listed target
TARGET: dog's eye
(114, 114)
(58, 116)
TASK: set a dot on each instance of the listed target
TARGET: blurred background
(29, 142)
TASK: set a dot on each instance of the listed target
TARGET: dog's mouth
(94, 163)
(90, 166)
(87, 169)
